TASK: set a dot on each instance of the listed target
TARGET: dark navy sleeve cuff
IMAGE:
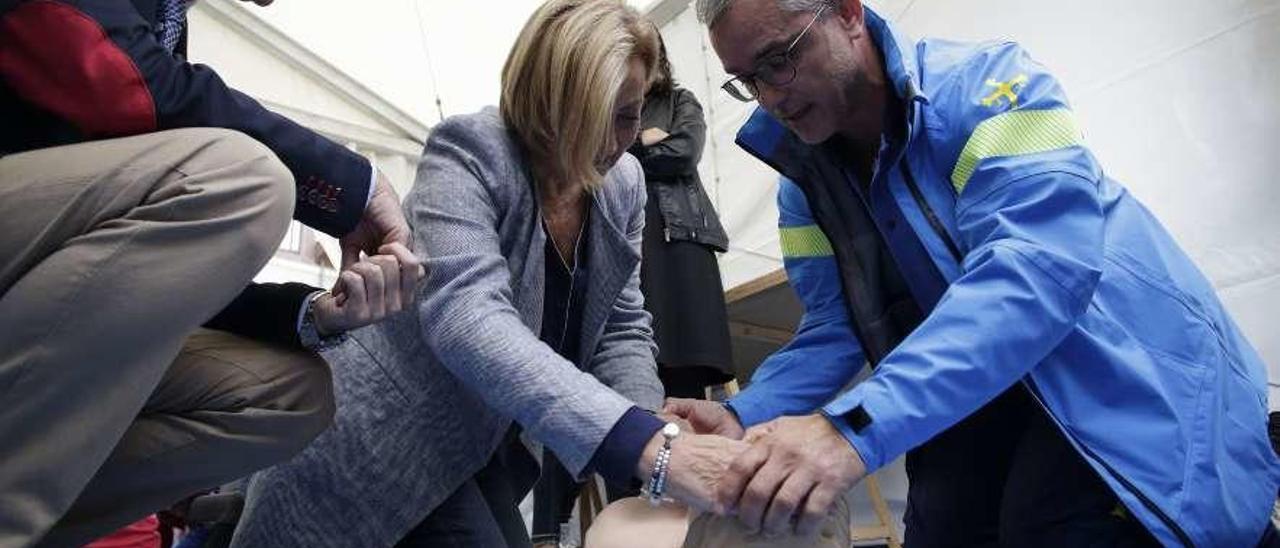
(615, 460)
(265, 313)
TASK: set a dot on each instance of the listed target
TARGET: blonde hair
(561, 79)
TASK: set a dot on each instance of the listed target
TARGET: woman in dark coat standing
(679, 276)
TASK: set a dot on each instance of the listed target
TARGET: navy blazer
(79, 70)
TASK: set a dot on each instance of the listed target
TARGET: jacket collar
(612, 261)
(610, 257)
(900, 62)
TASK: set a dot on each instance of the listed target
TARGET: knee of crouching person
(312, 407)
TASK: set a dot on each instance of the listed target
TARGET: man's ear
(851, 16)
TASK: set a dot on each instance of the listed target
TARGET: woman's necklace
(577, 243)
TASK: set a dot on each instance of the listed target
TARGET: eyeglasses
(776, 70)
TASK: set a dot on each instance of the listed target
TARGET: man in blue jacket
(139, 196)
(1055, 368)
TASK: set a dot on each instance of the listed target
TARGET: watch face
(671, 430)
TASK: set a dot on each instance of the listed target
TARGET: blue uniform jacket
(1048, 273)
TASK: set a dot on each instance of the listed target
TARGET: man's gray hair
(710, 10)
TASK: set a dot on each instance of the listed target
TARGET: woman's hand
(370, 290)
(697, 463)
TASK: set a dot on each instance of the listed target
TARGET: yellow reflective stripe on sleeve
(1015, 133)
(804, 241)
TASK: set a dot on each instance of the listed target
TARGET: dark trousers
(484, 511)
(1007, 477)
(553, 497)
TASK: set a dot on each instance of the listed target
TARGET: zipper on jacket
(1182, 535)
(929, 215)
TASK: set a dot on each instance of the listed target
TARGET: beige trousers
(112, 404)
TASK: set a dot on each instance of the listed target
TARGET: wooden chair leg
(584, 513)
(590, 503)
(721, 392)
(882, 511)
(884, 530)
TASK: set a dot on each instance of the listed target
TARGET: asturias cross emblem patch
(1007, 90)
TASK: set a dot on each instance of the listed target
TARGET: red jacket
(144, 533)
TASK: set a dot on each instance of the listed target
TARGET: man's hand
(706, 417)
(652, 136)
(696, 466)
(797, 466)
(370, 290)
(383, 223)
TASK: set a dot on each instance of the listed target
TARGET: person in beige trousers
(127, 220)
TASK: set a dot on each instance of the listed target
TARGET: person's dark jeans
(463, 520)
(553, 497)
(1007, 477)
(484, 511)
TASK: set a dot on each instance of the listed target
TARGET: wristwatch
(309, 336)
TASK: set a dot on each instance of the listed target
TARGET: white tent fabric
(1178, 98)
(287, 77)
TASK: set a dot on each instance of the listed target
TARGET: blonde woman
(530, 217)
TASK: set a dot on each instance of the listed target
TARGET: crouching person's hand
(370, 290)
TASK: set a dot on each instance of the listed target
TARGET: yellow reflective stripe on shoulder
(1015, 133)
(804, 241)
